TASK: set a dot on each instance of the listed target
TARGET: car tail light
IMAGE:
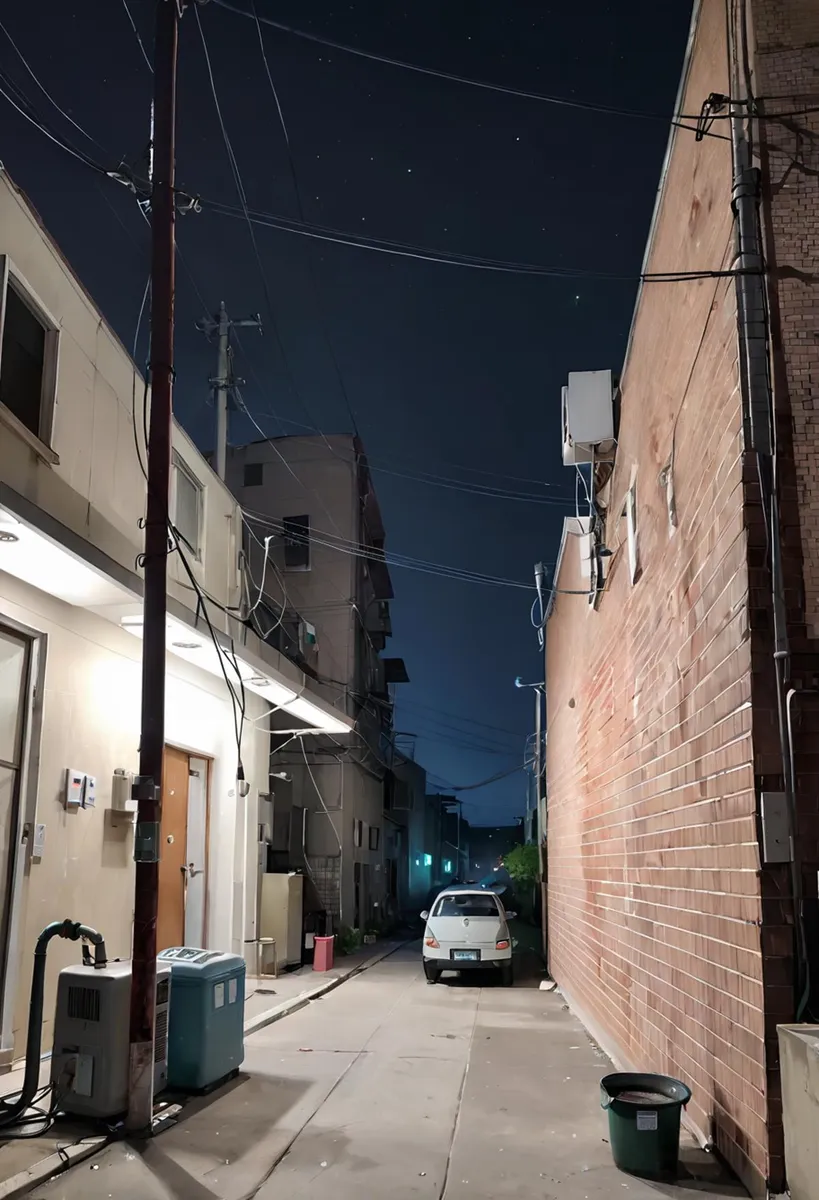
(503, 944)
(433, 943)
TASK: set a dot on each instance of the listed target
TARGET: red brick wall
(786, 68)
(654, 895)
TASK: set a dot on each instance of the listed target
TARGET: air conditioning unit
(588, 416)
(90, 1059)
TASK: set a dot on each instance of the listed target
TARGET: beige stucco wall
(90, 721)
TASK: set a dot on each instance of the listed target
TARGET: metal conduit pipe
(73, 931)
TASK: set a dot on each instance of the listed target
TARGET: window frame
(40, 442)
(179, 466)
(304, 520)
(630, 514)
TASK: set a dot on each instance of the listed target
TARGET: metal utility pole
(148, 784)
(538, 759)
(223, 382)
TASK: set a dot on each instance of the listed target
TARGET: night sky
(449, 371)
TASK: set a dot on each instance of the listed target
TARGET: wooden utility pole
(148, 784)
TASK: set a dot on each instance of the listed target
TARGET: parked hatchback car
(467, 929)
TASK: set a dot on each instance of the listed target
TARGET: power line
(426, 254)
(138, 37)
(444, 481)
(540, 97)
(297, 191)
(45, 91)
(344, 546)
(287, 225)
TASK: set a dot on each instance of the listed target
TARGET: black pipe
(73, 931)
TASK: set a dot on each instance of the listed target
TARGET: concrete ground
(387, 1087)
(33, 1159)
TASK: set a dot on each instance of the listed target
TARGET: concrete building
(315, 542)
(72, 502)
(683, 840)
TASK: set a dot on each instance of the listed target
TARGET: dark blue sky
(445, 367)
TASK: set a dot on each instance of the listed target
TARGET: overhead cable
(520, 93)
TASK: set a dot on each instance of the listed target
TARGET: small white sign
(233, 990)
(646, 1122)
(219, 995)
(38, 848)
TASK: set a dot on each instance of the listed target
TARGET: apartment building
(72, 503)
(314, 542)
(682, 658)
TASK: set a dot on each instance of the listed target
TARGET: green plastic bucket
(644, 1121)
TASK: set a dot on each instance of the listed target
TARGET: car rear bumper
(445, 961)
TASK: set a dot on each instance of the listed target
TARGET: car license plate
(465, 955)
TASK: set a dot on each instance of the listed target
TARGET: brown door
(170, 926)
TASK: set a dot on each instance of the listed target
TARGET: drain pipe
(73, 931)
(757, 391)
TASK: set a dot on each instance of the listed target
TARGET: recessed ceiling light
(187, 645)
(7, 536)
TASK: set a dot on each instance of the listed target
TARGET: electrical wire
(425, 254)
(433, 480)
(45, 91)
(355, 241)
(138, 37)
(297, 190)
(388, 559)
(540, 97)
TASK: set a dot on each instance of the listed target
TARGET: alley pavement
(387, 1087)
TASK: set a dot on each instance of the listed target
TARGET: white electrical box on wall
(121, 801)
(588, 415)
(74, 781)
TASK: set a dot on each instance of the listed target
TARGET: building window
(358, 832)
(296, 532)
(375, 837)
(630, 513)
(187, 506)
(427, 860)
(254, 474)
(28, 359)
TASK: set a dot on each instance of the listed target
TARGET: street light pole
(148, 784)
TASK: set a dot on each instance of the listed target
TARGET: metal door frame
(21, 845)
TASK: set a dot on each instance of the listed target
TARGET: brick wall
(786, 68)
(655, 903)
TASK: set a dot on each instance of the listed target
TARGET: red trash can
(323, 953)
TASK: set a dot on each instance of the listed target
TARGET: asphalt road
(390, 1088)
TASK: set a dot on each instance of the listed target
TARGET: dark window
(467, 905)
(375, 837)
(23, 362)
(254, 474)
(296, 543)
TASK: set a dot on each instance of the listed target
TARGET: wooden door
(170, 925)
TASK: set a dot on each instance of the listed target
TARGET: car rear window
(466, 906)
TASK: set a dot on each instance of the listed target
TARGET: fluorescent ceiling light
(304, 710)
(196, 646)
(38, 561)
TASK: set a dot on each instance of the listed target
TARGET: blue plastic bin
(206, 1041)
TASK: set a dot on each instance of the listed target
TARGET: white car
(467, 930)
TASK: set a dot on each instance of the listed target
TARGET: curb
(303, 999)
(49, 1168)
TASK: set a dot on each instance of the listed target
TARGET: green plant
(348, 940)
(523, 864)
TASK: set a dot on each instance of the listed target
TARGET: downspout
(757, 392)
